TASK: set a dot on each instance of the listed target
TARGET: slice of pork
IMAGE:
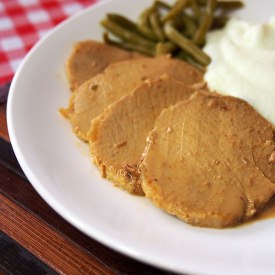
(118, 136)
(89, 58)
(208, 161)
(118, 80)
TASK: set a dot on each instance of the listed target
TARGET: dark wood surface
(34, 239)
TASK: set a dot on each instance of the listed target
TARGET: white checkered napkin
(23, 22)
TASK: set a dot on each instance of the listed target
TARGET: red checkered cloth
(23, 22)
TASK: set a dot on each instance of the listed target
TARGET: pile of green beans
(179, 29)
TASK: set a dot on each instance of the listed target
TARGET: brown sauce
(267, 213)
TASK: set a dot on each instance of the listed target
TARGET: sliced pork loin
(89, 58)
(118, 80)
(209, 161)
(118, 136)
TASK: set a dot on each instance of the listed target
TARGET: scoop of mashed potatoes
(243, 64)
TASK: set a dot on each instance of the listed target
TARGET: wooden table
(34, 239)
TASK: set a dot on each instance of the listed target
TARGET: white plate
(59, 167)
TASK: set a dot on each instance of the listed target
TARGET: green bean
(189, 26)
(205, 23)
(123, 21)
(219, 22)
(179, 29)
(195, 8)
(126, 34)
(185, 57)
(230, 4)
(196, 64)
(156, 26)
(225, 4)
(165, 47)
(186, 44)
(129, 46)
(143, 24)
(147, 32)
(175, 10)
(144, 16)
(161, 4)
(182, 55)
(177, 22)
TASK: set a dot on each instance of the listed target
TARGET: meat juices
(118, 135)
(118, 80)
(207, 161)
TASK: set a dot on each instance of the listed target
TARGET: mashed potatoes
(243, 64)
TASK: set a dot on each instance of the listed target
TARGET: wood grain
(8, 159)
(17, 260)
(19, 191)
(4, 90)
(3, 123)
(59, 252)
